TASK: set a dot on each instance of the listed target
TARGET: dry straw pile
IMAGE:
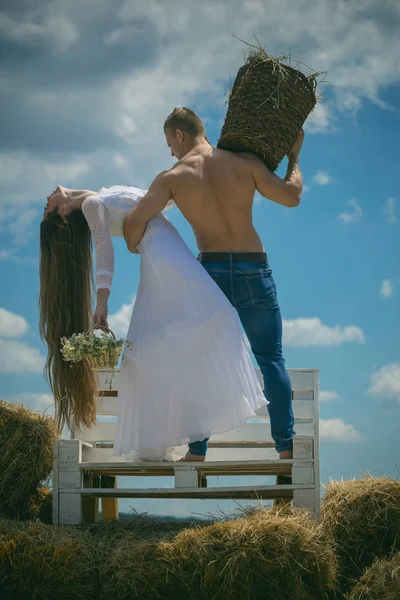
(26, 442)
(363, 519)
(45, 562)
(379, 582)
(270, 554)
(268, 104)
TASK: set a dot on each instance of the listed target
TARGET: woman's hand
(100, 316)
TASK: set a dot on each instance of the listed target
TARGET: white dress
(189, 374)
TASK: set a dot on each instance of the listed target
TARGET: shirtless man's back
(214, 190)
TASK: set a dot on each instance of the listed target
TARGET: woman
(188, 374)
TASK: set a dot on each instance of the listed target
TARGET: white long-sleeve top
(105, 212)
(98, 219)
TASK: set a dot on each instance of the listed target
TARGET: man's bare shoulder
(250, 158)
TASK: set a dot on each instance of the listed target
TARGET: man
(214, 189)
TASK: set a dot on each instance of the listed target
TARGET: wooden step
(243, 467)
(266, 492)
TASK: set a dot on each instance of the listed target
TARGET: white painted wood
(187, 478)
(317, 491)
(301, 379)
(305, 498)
(250, 431)
(302, 474)
(70, 477)
(303, 406)
(71, 457)
(302, 409)
(55, 505)
(244, 491)
(70, 451)
(303, 448)
(104, 375)
(70, 512)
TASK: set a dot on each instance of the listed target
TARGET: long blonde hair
(65, 305)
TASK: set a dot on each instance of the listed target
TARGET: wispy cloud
(385, 383)
(387, 288)
(10, 255)
(353, 212)
(119, 321)
(11, 324)
(322, 178)
(326, 396)
(390, 211)
(338, 431)
(312, 332)
(19, 357)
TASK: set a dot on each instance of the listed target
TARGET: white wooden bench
(84, 468)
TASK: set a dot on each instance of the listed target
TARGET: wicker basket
(268, 105)
(108, 359)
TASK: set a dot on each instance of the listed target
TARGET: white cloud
(11, 256)
(119, 321)
(19, 357)
(322, 178)
(326, 396)
(306, 188)
(385, 383)
(11, 324)
(390, 211)
(312, 332)
(387, 288)
(120, 161)
(38, 402)
(58, 31)
(133, 105)
(338, 431)
(320, 120)
(21, 226)
(42, 174)
(353, 213)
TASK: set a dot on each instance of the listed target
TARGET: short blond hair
(186, 119)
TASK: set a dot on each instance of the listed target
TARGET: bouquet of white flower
(102, 351)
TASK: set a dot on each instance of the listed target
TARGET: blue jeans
(251, 289)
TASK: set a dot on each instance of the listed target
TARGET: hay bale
(40, 505)
(135, 569)
(26, 442)
(363, 519)
(379, 582)
(42, 562)
(267, 555)
(268, 105)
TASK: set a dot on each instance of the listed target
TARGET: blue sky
(86, 95)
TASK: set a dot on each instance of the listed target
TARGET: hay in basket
(268, 105)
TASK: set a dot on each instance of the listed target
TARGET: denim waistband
(233, 257)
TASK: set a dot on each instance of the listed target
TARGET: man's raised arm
(286, 191)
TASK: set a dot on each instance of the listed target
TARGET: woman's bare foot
(192, 458)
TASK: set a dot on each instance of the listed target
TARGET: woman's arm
(97, 217)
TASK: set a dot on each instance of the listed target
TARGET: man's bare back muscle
(214, 189)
